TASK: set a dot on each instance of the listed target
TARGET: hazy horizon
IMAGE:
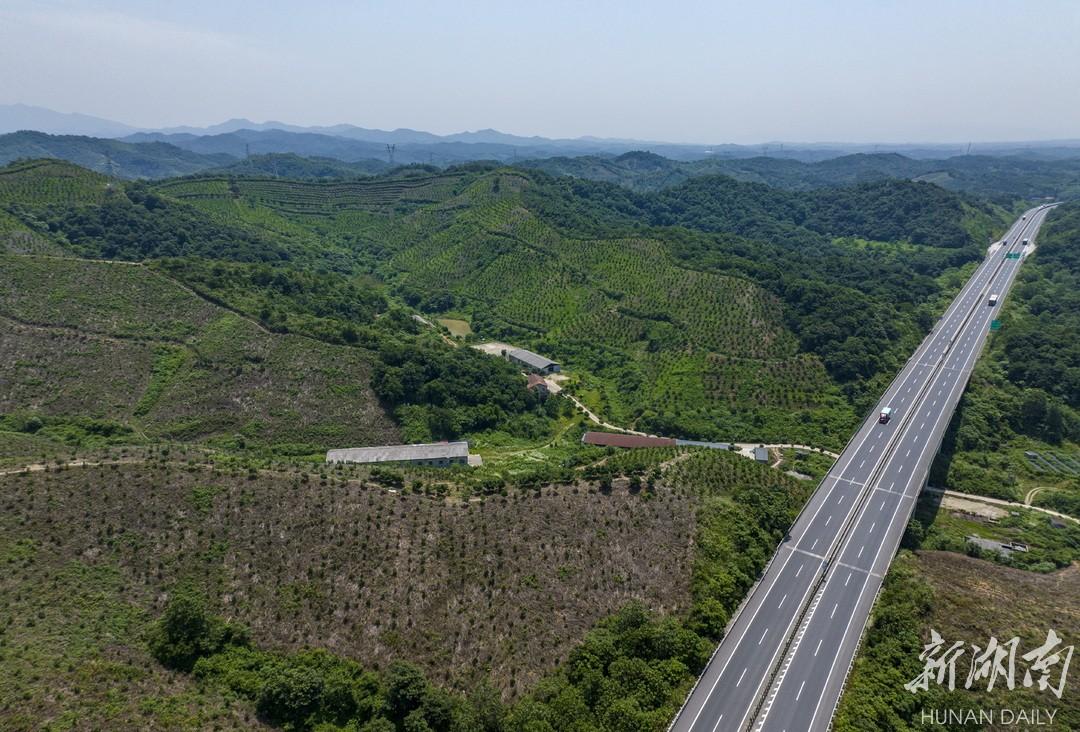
(689, 73)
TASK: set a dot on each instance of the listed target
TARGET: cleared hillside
(966, 600)
(118, 342)
(468, 590)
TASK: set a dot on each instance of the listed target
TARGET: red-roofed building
(537, 384)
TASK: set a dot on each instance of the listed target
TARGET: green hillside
(290, 165)
(694, 325)
(111, 157)
(1025, 392)
(714, 309)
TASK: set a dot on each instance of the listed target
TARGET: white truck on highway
(886, 413)
(993, 300)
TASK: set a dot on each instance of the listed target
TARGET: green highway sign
(1012, 255)
(995, 324)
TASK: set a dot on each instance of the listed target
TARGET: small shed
(761, 454)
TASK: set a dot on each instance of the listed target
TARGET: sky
(677, 71)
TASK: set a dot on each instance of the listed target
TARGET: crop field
(796, 383)
(118, 300)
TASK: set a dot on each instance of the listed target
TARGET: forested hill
(998, 177)
(111, 157)
(891, 210)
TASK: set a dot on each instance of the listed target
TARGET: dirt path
(593, 418)
(41, 467)
(1000, 502)
(1031, 495)
(747, 448)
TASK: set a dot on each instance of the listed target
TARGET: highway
(785, 656)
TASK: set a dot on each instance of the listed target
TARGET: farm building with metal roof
(438, 454)
(533, 361)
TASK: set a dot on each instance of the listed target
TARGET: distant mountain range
(1004, 177)
(16, 117)
(325, 157)
(243, 147)
(352, 143)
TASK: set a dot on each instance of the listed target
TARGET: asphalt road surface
(784, 659)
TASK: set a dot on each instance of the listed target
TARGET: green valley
(184, 351)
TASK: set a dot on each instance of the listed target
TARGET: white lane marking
(872, 527)
(828, 519)
(813, 545)
(749, 622)
(908, 454)
(782, 601)
(741, 676)
(922, 425)
(800, 568)
(882, 506)
(833, 610)
(797, 695)
(861, 551)
(848, 579)
(763, 636)
(920, 369)
(862, 463)
(818, 646)
(836, 658)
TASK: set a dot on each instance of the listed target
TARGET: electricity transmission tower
(390, 152)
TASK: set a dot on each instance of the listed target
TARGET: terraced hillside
(39, 182)
(320, 199)
(121, 343)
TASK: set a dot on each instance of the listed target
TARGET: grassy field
(458, 328)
